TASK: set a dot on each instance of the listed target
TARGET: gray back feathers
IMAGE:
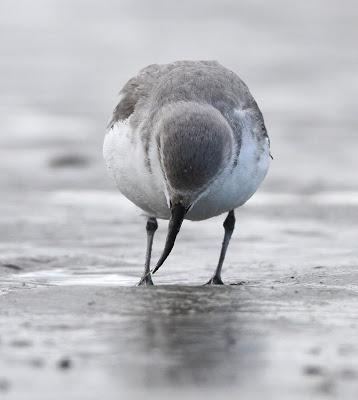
(140, 87)
(190, 108)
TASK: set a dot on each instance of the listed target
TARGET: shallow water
(73, 277)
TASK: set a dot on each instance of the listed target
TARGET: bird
(186, 141)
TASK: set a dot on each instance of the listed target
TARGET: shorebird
(186, 141)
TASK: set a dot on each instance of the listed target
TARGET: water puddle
(84, 276)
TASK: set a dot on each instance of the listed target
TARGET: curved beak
(178, 212)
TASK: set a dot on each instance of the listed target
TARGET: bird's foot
(215, 280)
(146, 280)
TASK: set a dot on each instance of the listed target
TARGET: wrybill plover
(186, 141)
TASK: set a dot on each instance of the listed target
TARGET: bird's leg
(151, 227)
(229, 225)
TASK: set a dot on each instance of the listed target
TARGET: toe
(215, 280)
(146, 281)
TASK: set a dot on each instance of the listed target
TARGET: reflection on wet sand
(187, 337)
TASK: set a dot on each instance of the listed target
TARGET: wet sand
(72, 323)
(285, 324)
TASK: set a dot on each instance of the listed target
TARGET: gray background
(69, 243)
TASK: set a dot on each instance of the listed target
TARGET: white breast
(124, 155)
(125, 159)
(235, 185)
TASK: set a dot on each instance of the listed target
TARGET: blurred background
(69, 243)
(63, 63)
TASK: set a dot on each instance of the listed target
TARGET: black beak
(178, 212)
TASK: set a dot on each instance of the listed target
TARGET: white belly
(125, 159)
(235, 186)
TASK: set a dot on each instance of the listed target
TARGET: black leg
(229, 225)
(151, 227)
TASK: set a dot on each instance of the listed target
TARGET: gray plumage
(195, 144)
(186, 103)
